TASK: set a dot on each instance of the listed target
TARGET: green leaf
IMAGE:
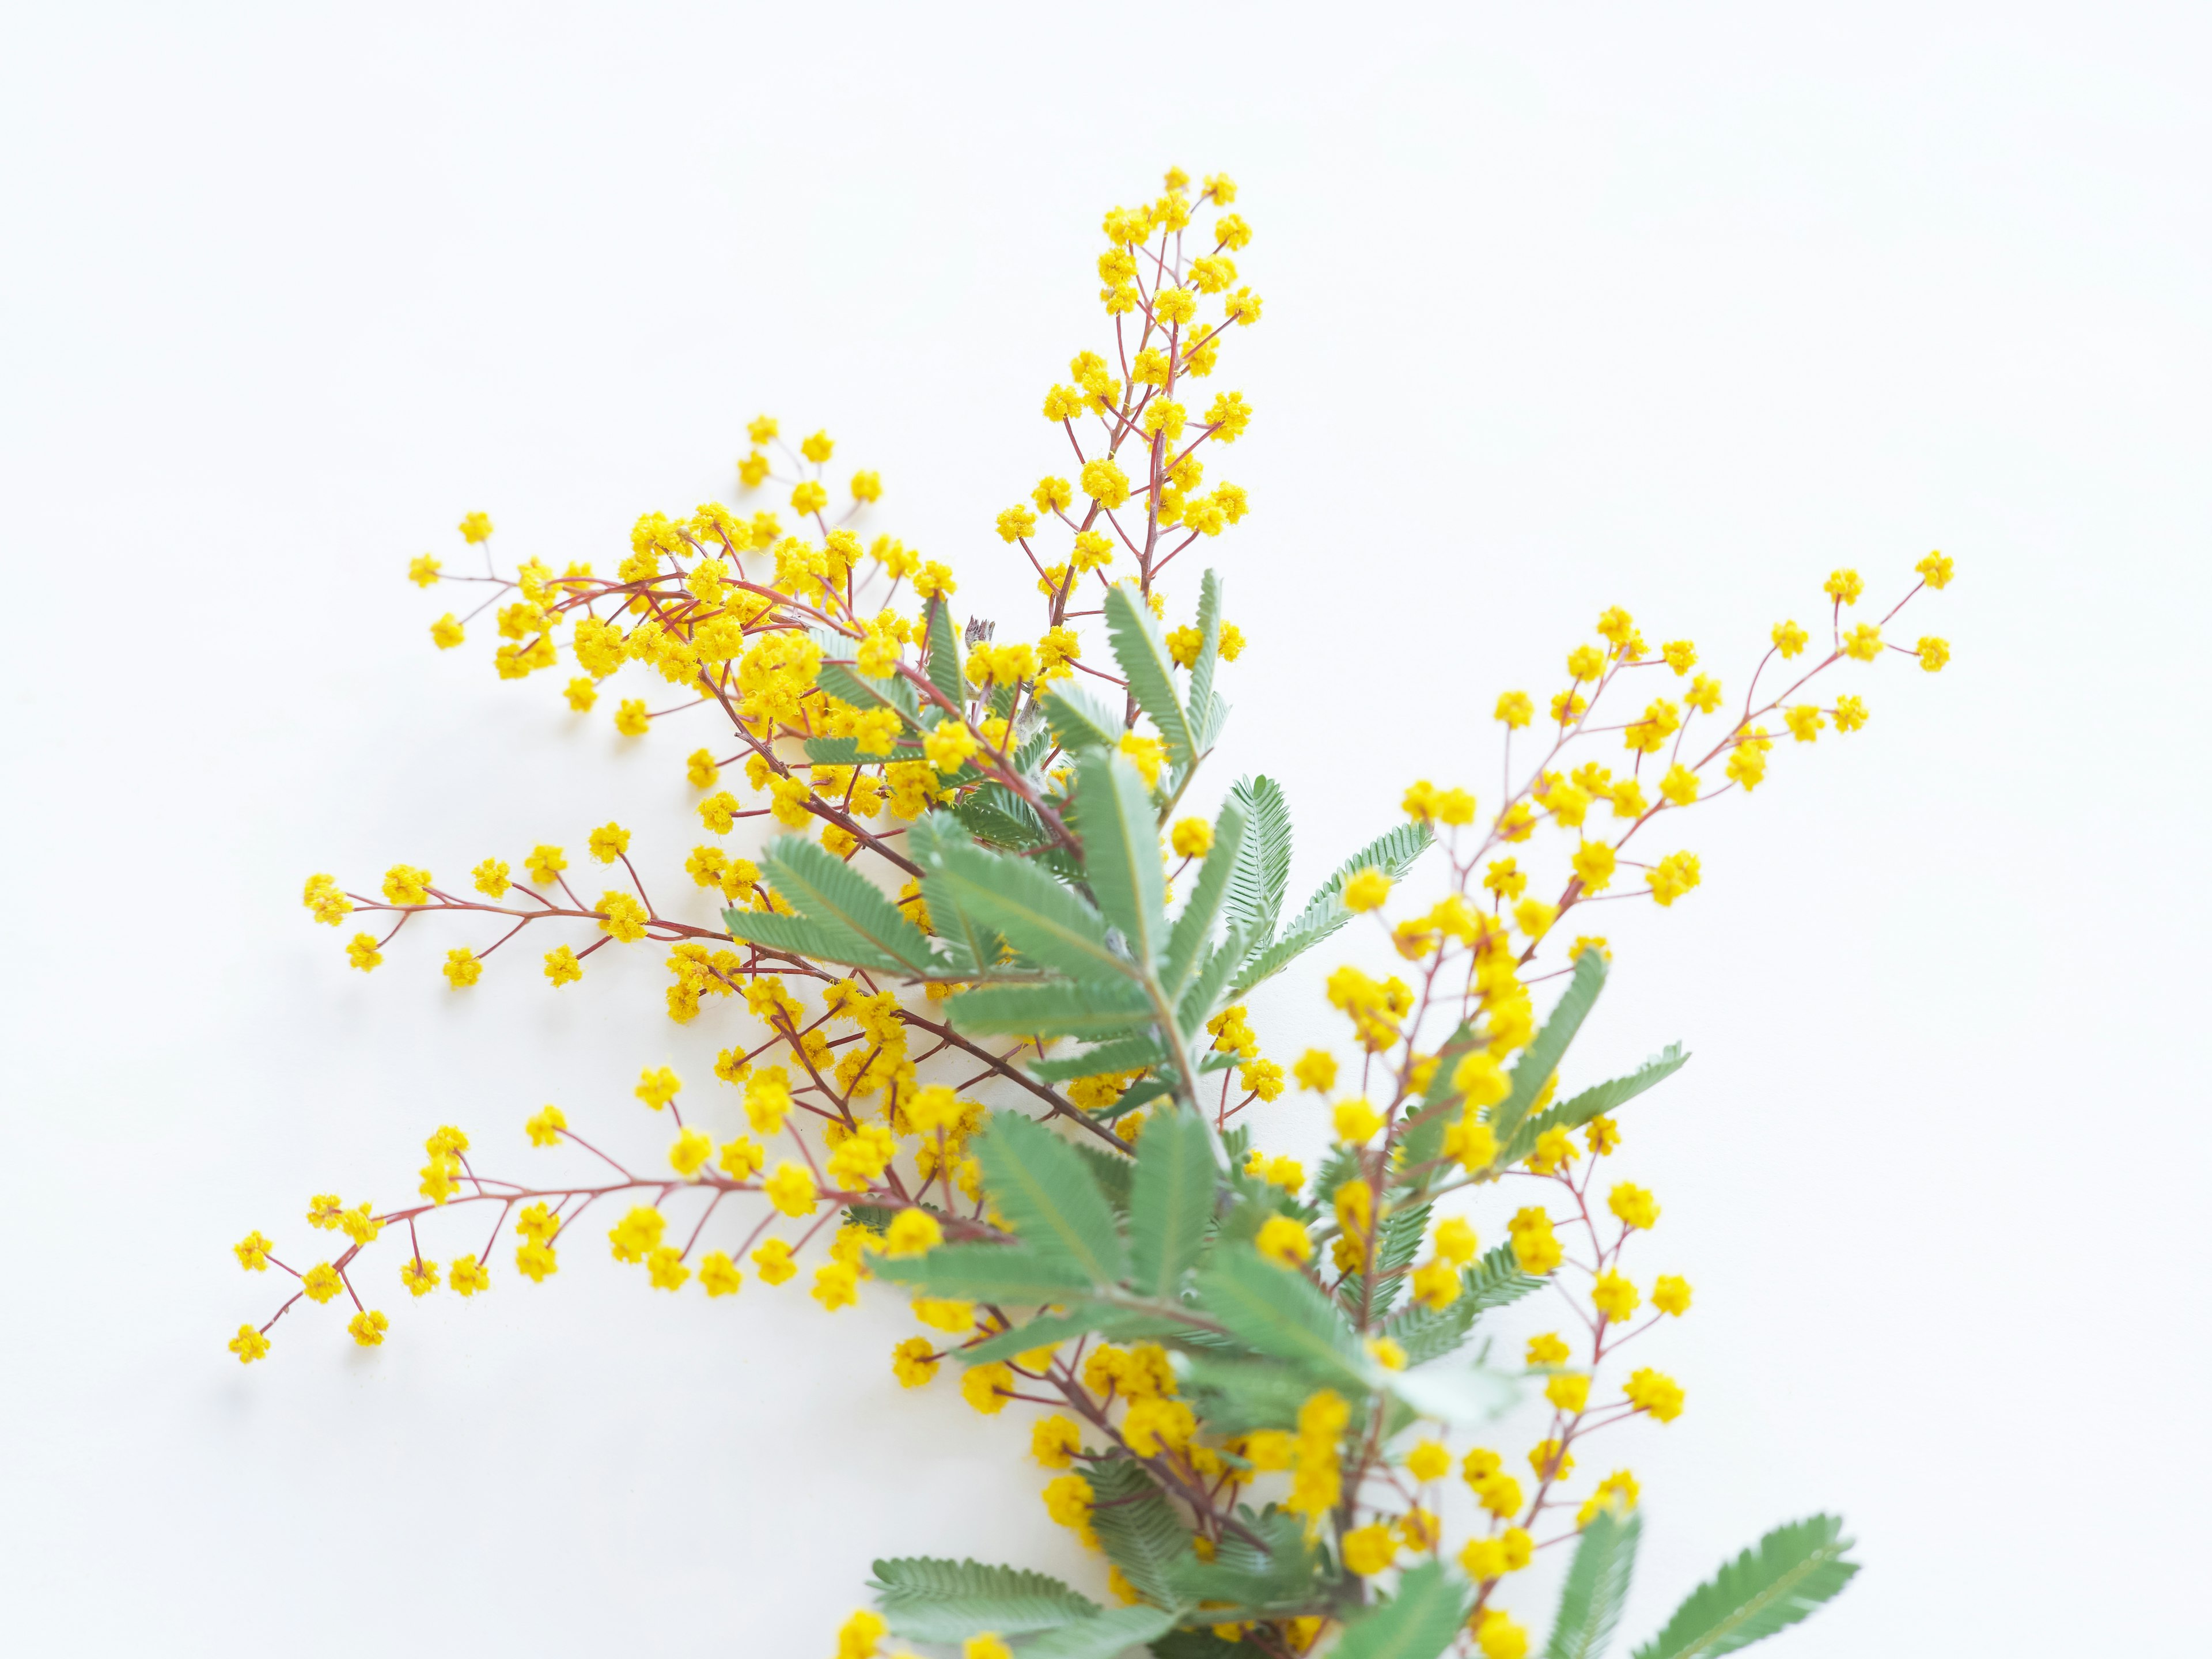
(1419, 1622)
(1398, 1242)
(1205, 722)
(861, 691)
(1044, 1189)
(838, 751)
(1592, 1102)
(1172, 1201)
(1422, 1139)
(1194, 927)
(1427, 1334)
(988, 1273)
(1114, 1324)
(971, 947)
(1115, 1172)
(1121, 851)
(1795, 1569)
(1262, 873)
(944, 652)
(926, 1598)
(798, 936)
(1533, 1069)
(826, 889)
(1597, 1584)
(1141, 1534)
(1050, 1008)
(1128, 1054)
(1278, 1313)
(1496, 1281)
(1203, 997)
(1238, 1395)
(1080, 721)
(1044, 921)
(1256, 1578)
(1143, 655)
(1393, 854)
(1202, 1645)
(1102, 1636)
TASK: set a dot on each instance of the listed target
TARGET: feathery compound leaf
(1203, 997)
(1121, 851)
(798, 936)
(1278, 1313)
(1102, 1636)
(1050, 1009)
(1262, 872)
(1194, 927)
(1398, 1243)
(1042, 1187)
(945, 654)
(1128, 1054)
(924, 1599)
(968, 945)
(1533, 1069)
(1793, 1570)
(826, 889)
(1427, 1334)
(988, 1273)
(1043, 919)
(1170, 1201)
(1141, 1534)
(1603, 1097)
(1419, 1622)
(1080, 721)
(1393, 854)
(1203, 719)
(1114, 1324)
(1496, 1281)
(1145, 661)
(1597, 1585)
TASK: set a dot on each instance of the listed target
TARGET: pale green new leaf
(1278, 1313)
(1143, 655)
(1102, 1635)
(1141, 1534)
(1172, 1201)
(1050, 1009)
(1596, 1587)
(1194, 927)
(1419, 1622)
(988, 1273)
(1043, 1188)
(944, 652)
(926, 1598)
(1079, 720)
(1533, 1069)
(1121, 851)
(1793, 1570)
(1044, 921)
(826, 890)
(1262, 873)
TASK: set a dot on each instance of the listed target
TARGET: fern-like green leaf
(1041, 1187)
(926, 1598)
(1187, 940)
(1143, 655)
(828, 891)
(1592, 1102)
(1051, 1008)
(1105, 1635)
(1114, 1324)
(1129, 1054)
(1792, 1571)
(1419, 1622)
(1595, 1589)
(1276, 1312)
(1393, 854)
(1121, 851)
(944, 652)
(1171, 1202)
(1044, 921)
(1262, 873)
(1011, 1274)
(1139, 1532)
(1079, 720)
(800, 936)
(1204, 723)
(1533, 1069)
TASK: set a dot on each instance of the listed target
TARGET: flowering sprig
(1249, 1373)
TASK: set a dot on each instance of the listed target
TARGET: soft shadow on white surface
(1676, 314)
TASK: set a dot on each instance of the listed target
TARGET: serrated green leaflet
(1392, 853)
(988, 1273)
(1051, 1008)
(1793, 1570)
(1276, 1312)
(1102, 1636)
(1044, 921)
(1590, 1103)
(1143, 655)
(1194, 927)
(1121, 851)
(827, 890)
(1262, 873)
(1533, 1069)
(926, 1599)
(1080, 721)
(1170, 1201)
(1419, 1622)
(944, 652)
(1139, 1533)
(1041, 1186)
(1596, 1586)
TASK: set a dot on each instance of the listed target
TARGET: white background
(1672, 308)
